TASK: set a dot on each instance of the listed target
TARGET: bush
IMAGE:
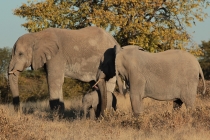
(38, 87)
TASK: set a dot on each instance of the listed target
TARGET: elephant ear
(117, 49)
(43, 51)
(107, 67)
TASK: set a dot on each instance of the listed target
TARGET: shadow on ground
(69, 114)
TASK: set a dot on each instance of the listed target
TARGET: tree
(205, 59)
(156, 25)
(5, 55)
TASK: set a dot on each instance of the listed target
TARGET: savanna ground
(158, 122)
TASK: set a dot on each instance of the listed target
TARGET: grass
(158, 122)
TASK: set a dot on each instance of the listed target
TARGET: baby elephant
(91, 103)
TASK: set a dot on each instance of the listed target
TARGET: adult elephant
(170, 75)
(73, 53)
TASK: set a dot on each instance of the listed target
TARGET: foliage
(205, 59)
(33, 85)
(74, 88)
(156, 25)
(5, 55)
(38, 87)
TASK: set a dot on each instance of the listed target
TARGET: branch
(157, 8)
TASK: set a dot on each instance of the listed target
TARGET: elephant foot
(177, 104)
(16, 103)
(61, 108)
(92, 114)
(137, 115)
(56, 105)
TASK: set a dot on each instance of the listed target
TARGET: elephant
(90, 103)
(107, 70)
(78, 54)
(172, 75)
(115, 100)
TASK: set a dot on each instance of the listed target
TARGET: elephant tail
(203, 79)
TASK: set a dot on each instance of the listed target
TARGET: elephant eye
(20, 53)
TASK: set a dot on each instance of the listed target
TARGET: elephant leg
(98, 108)
(136, 100)
(110, 85)
(55, 79)
(85, 112)
(137, 104)
(16, 103)
(189, 95)
(55, 90)
(92, 114)
(61, 102)
(137, 88)
(177, 104)
(114, 102)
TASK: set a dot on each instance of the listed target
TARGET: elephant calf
(115, 100)
(90, 102)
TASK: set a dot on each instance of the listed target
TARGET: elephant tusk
(96, 84)
(12, 72)
(95, 87)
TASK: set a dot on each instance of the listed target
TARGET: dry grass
(157, 123)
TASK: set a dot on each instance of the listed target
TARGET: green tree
(156, 25)
(38, 89)
(5, 55)
(205, 59)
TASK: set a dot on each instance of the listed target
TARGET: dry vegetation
(158, 122)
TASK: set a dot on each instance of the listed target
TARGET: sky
(10, 25)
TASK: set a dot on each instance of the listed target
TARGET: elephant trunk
(120, 83)
(119, 80)
(103, 93)
(13, 83)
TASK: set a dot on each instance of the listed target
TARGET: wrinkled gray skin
(170, 75)
(79, 54)
(90, 102)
